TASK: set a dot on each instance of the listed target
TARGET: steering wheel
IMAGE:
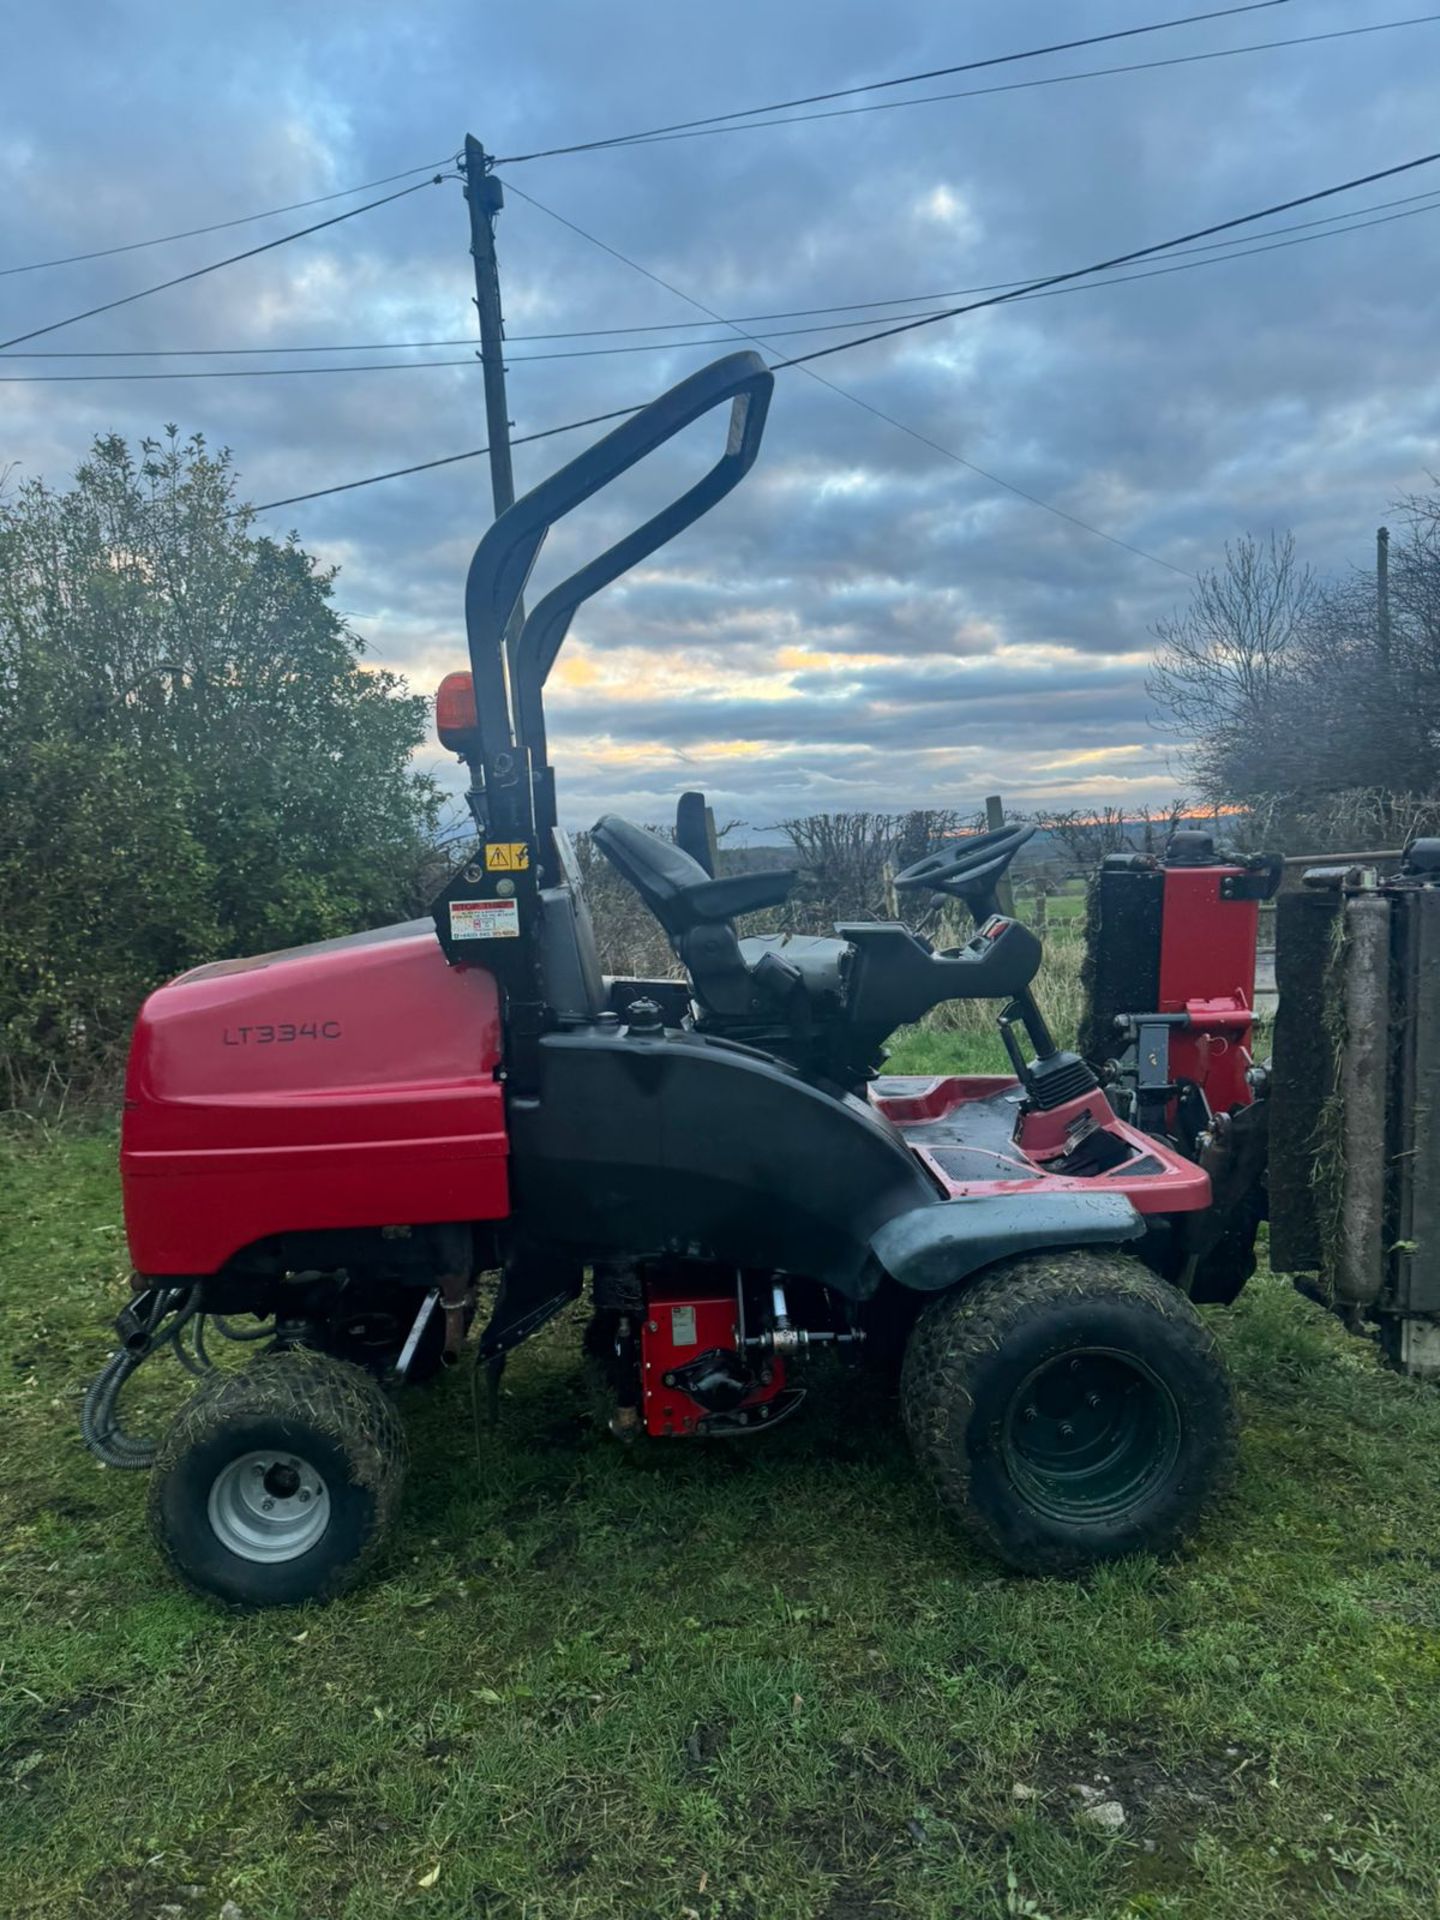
(968, 869)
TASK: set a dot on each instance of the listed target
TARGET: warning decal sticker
(507, 856)
(484, 920)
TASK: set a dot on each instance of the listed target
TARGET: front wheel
(278, 1484)
(1069, 1408)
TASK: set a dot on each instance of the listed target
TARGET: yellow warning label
(507, 856)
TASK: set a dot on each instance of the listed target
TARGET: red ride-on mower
(326, 1149)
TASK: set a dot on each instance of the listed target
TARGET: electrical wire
(1009, 86)
(1116, 260)
(875, 86)
(198, 273)
(680, 346)
(280, 373)
(949, 453)
(446, 460)
(1054, 280)
(679, 326)
(219, 226)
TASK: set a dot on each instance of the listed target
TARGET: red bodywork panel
(349, 1084)
(964, 1129)
(1207, 969)
(679, 1326)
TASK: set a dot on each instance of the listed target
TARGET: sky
(868, 621)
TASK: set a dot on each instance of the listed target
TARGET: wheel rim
(267, 1507)
(1090, 1434)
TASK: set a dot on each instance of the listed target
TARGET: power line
(219, 226)
(845, 394)
(678, 326)
(446, 460)
(198, 273)
(1011, 86)
(378, 366)
(893, 300)
(1221, 258)
(1116, 260)
(1039, 286)
(272, 373)
(1218, 258)
(875, 86)
(1053, 280)
(1055, 80)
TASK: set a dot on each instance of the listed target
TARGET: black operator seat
(697, 913)
(821, 960)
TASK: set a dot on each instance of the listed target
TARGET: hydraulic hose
(99, 1416)
(227, 1332)
(99, 1426)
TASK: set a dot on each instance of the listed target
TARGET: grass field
(747, 1683)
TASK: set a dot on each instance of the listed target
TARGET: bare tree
(1224, 663)
(1307, 705)
(850, 860)
(1087, 836)
(1156, 825)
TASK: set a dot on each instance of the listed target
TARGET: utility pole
(486, 197)
(1382, 596)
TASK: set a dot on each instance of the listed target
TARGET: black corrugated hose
(100, 1420)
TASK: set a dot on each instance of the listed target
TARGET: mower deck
(969, 1132)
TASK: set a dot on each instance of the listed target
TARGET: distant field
(1067, 907)
(762, 1682)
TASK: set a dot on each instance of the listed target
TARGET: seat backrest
(660, 872)
(693, 830)
(675, 887)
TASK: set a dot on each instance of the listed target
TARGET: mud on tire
(280, 1483)
(1069, 1408)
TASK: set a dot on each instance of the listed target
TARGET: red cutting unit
(1208, 931)
(1173, 965)
(697, 1377)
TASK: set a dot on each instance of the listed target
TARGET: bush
(194, 758)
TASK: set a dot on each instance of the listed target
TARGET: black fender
(930, 1248)
(686, 1144)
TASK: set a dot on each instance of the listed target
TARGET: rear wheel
(278, 1484)
(1069, 1408)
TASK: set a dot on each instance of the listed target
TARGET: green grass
(1066, 909)
(923, 1050)
(760, 1682)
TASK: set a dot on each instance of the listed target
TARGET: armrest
(739, 893)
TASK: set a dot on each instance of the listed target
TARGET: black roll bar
(508, 692)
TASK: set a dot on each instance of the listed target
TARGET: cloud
(867, 621)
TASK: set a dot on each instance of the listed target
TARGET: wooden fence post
(995, 817)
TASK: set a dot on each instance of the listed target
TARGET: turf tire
(974, 1350)
(328, 1411)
